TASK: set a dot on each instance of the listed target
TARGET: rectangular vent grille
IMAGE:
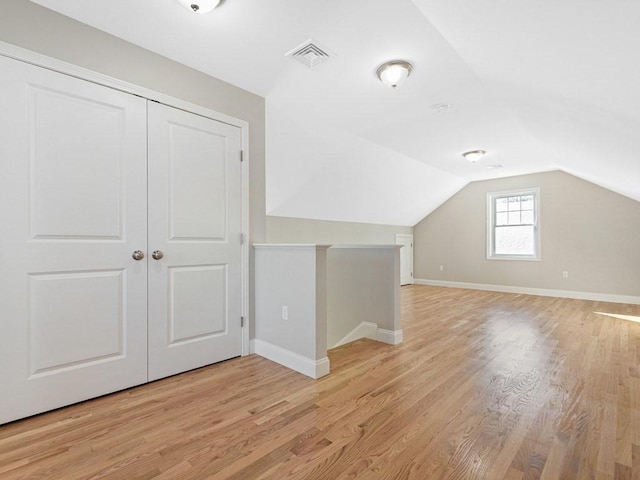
(309, 54)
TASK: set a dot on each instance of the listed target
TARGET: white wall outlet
(285, 312)
(441, 268)
(565, 274)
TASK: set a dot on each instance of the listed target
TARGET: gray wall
(304, 230)
(363, 286)
(36, 28)
(295, 277)
(589, 231)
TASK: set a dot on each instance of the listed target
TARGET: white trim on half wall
(307, 366)
(392, 337)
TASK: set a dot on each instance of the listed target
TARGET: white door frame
(406, 240)
(60, 66)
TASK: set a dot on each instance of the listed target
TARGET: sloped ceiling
(539, 85)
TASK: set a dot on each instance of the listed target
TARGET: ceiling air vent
(309, 54)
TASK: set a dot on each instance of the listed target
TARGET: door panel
(76, 153)
(197, 182)
(73, 208)
(195, 212)
(61, 336)
(204, 286)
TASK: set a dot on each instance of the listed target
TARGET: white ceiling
(540, 85)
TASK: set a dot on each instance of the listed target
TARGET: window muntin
(513, 225)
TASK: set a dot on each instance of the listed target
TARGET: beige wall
(589, 231)
(30, 26)
(304, 230)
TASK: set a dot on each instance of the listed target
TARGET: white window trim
(491, 196)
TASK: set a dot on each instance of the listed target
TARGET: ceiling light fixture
(199, 6)
(474, 155)
(393, 73)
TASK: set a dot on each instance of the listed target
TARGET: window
(512, 228)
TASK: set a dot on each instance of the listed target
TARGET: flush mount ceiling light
(393, 73)
(199, 6)
(474, 155)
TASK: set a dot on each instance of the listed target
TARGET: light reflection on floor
(631, 318)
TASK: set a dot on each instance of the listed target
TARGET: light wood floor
(486, 386)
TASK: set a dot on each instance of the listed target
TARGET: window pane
(514, 204)
(527, 217)
(527, 202)
(502, 204)
(514, 240)
(501, 218)
(514, 218)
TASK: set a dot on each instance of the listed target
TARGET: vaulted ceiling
(539, 85)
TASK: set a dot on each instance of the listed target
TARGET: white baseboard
(252, 346)
(294, 361)
(598, 297)
(364, 330)
(392, 337)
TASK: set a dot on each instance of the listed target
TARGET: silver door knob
(157, 254)
(138, 255)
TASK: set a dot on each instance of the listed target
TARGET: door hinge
(242, 155)
(241, 322)
(242, 239)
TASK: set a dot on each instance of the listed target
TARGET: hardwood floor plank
(486, 385)
(514, 475)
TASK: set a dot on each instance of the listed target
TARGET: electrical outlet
(285, 312)
(565, 274)
(441, 268)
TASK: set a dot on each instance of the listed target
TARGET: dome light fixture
(199, 6)
(474, 155)
(394, 73)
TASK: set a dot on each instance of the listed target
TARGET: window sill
(515, 257)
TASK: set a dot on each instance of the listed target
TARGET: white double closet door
(89, 176)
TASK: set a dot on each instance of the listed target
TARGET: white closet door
(195, 212)
(73, 209)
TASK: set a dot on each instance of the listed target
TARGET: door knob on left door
(138, 255)
(157, 254)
